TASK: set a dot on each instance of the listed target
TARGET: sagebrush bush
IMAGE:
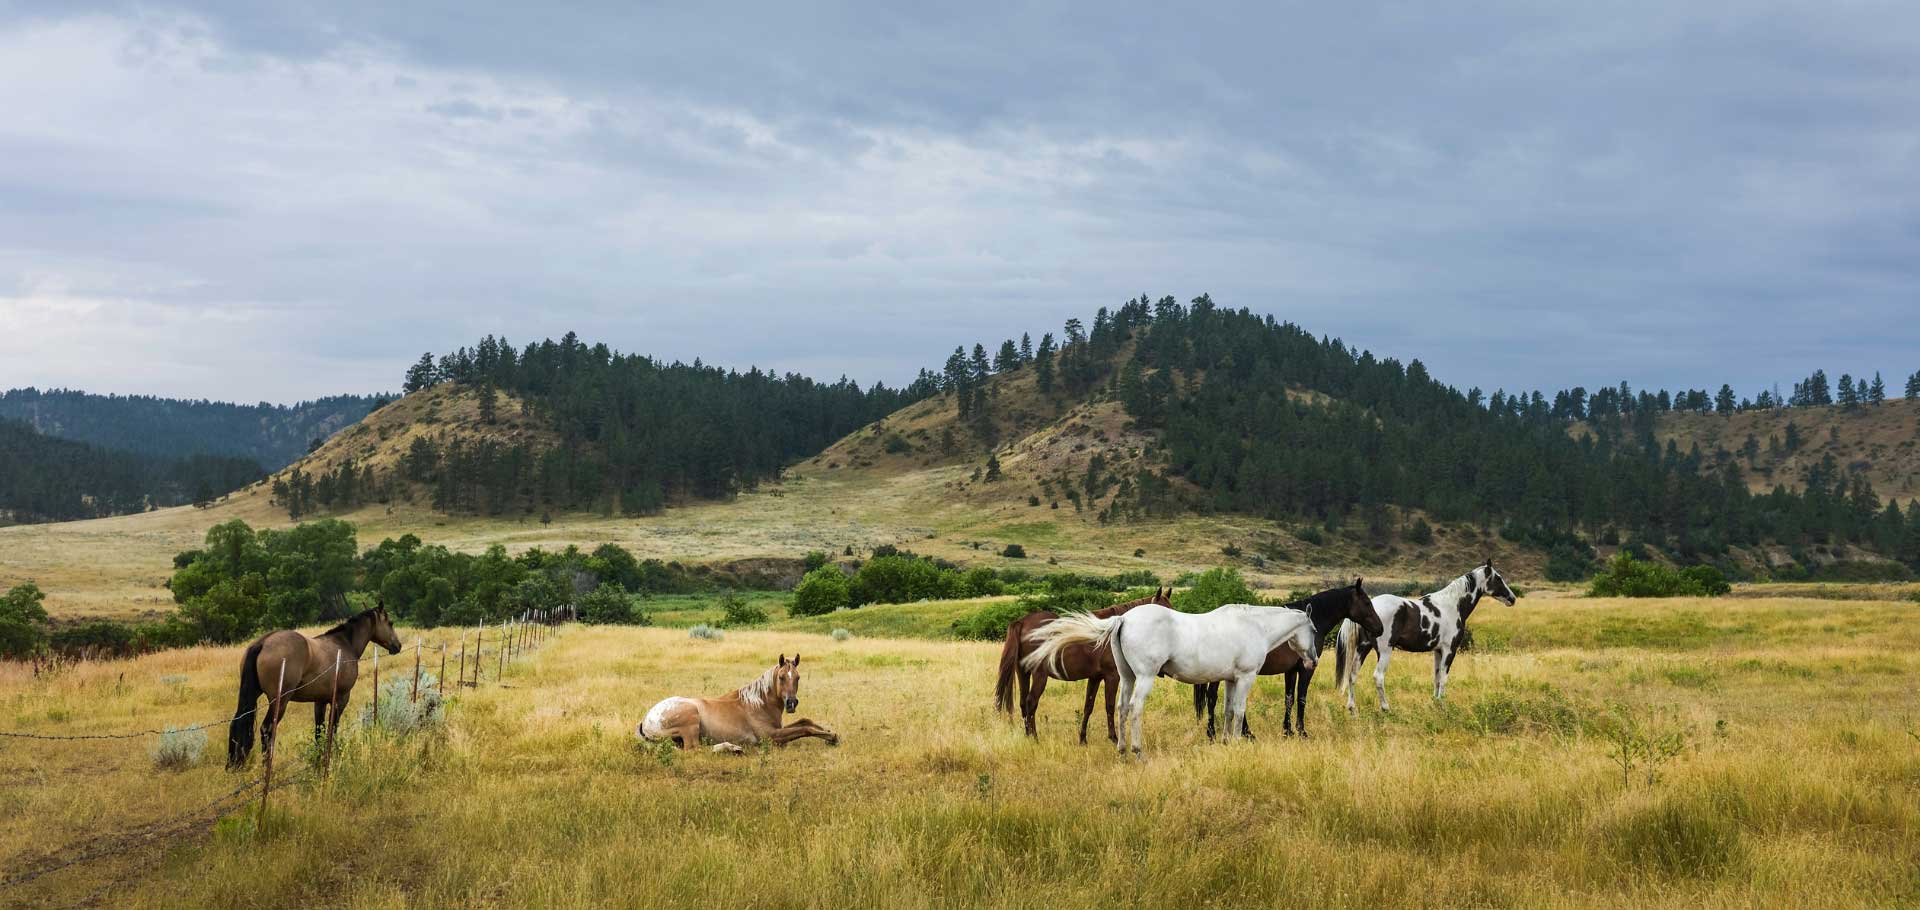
(841, 635)
(177, 750)
(400, 713)
(706, 633)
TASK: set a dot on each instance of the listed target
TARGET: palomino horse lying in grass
(1327, 608)
(1227, 645)
(746, 716)
(309, 664)
(1076, 662)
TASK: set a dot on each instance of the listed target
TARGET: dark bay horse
(309, 664)
(1328, 609)
(1077, 662)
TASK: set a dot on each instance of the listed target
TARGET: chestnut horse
(1077, 662)
(308, 676)
(746, 716)
(1328, 608)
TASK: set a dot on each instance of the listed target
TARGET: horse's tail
(1200, 701)
(240, 732)
(1074, 628)
(1009, 668)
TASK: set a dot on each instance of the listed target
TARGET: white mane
(753, 693)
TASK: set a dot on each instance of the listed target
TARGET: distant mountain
(47, 479)
(272, 435)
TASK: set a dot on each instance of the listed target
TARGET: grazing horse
(1436, 622)
(1077, 662)
(1228, 644)
(309, 664)
(1327, 608)
(746, 716)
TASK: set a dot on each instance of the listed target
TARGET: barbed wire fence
(514, 639)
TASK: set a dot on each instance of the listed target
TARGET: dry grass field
(1794, 781)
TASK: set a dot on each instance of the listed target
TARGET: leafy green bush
(902, 579)
(814, 560)
(23, 621)
(1214, 587)
(989, 623)
(610, 604)
(1861, 570)
(739, 611)
(1311, 535)
(1014, 551)
(96, 638)
(982, 582)
(1419, 532)
(1628, 577)
(820, 591)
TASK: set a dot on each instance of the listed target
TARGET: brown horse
(309, 667)
(1327, 609)
(1077, 662)
(748, 715)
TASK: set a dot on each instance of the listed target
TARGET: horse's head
(1360, 610)
(1497, 585)
(1304, 641)
(786, 682)
(1163, 596)
(383, 634)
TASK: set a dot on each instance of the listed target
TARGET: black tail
(240, 732)
(1009, 666)
(1200, 702)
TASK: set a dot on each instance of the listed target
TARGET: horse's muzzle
(793, 704)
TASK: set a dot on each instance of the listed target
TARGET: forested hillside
(273, 435)
(48, 479)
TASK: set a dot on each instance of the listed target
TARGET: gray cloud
(279, 200)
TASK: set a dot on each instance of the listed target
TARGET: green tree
(1877, 392)
(610, 604)
(23, 621)
(1214, 588)
(1043, 364)
(993, 468)
(420, 375)
(820, 592)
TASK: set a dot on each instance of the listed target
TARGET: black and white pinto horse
(1436, 622)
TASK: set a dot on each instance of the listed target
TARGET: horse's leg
(1439, 672)
(1231, 731)
(1086, 713)
(1025, 677)
(801, 729)
(1136, 709)
(1126, 708)
(319, 720)
(1030, 708)
(1300, 701)
(1446, 668)
(1380, 672)
(1286, 713)
(1237, 692)
(1112, 687)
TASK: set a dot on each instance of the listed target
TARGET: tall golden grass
(1798, 784)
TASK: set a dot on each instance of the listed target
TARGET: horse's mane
(754, 692)
(346, 626)
(1321, 599)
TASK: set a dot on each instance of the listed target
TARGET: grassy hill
(1881, 442)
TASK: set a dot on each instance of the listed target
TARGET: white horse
(1227, 645)
(1436, 622)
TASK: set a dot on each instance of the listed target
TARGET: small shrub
(1014, 551)
(1419, 532)
(401, 713)
(178, 750)
(610, 604)
(1139, 552)
(739, 611)
(815, 560)
(706, 632)
(1567, 564)
(897, 444)
(842, 635)
(1312, 535)
(1230, 551)
(989, 623)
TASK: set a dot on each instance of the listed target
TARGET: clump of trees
(23, 621)
(1625, 576)
(44, 478)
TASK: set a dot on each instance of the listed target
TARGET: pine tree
(1026, 350)
(1849, 398)
(1913, 385)
(981, 367)
(1043, 364)
(1724, 402)
(1877, 392)
(1008, 357)
(420, 375)
(993, 468)
(489, 403)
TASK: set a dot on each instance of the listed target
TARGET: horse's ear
(796, 658)
(1356, 581)
(783, 659)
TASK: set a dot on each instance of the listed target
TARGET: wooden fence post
(463, 659)
(333, 719)
(443, 671)
(414, 696)
(503, 649)
(273, 715)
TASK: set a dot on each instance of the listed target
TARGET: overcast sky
(253, 200)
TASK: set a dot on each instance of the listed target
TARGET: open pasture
(1794, 780)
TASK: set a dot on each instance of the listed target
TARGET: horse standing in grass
(1227, 645)
(746, 716)
(1327, 608)
(309, 664)
(1076, 662)
(1436, 622)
